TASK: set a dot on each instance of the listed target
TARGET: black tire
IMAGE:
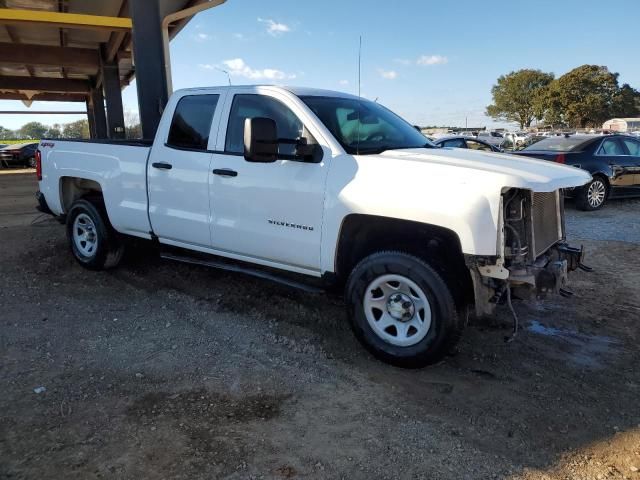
(31, 163)
(446, 323)
(584, 195)
(108, 249)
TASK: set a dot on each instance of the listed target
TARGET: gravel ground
(618, 221)
(163, 370)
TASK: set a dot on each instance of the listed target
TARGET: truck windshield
(364, 127)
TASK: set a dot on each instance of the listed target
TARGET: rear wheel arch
(74, 188)
(93, 241)
(362, 235)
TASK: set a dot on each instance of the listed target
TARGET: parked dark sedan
(612, 160)
(466, 142)
(19, 155)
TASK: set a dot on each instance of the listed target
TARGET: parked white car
(494, 138)
(328, 186)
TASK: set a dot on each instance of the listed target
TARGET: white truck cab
(326, 185)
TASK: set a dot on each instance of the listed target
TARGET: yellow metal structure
(63, 20)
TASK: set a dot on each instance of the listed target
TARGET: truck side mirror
(260, 140)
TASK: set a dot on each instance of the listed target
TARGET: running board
(254, 272)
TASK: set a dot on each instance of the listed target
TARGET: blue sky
(431, 62)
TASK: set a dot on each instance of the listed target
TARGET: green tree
(132, 128)
(33, 130)
(133, 131)
(516, 96)
(626, 102)
(585, 97)
(77, 129)
(6, 134)
(54, 131)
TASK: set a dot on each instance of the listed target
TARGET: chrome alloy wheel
(397, 310)
(85, 236)
(596, 193)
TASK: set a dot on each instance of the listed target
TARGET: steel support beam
(113, 97)
(44, 84)
(99, 118)
(91, 119)
(177, 17)
(151, 79)
(9, 16)
(42, 112)
(45, 96)
(46, 55)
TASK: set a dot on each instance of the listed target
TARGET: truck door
(266, 211)
(179, 168)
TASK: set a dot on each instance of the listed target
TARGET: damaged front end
(533, 256)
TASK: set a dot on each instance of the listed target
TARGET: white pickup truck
(325, 185)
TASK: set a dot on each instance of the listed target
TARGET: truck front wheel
(93, 241)
(402, 310)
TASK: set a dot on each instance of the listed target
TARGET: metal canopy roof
(45, 56)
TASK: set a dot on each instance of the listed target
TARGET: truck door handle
(225, 172)
(162, 165)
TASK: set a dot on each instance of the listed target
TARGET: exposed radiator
(546, 223)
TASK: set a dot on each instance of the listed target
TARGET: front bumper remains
(548, 274)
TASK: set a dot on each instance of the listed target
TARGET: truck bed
(118, 168)
(132, 142)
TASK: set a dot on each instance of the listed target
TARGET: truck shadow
(567, 382)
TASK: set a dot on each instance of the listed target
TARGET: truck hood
(466, 166)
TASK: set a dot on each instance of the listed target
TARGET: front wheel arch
(362, 235)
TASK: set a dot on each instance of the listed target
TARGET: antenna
(225, 72)
(359, 62)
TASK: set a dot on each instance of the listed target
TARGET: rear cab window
(191, 122)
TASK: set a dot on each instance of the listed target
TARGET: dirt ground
(164, 370)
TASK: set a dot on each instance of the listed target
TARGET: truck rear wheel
(402, 310)
(93, 241)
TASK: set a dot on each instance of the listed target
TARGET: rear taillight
(560, 158)
(38, 165)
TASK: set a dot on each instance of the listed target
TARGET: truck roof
(298, 91)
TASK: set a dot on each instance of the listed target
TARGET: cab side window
(191, 122)
(250, 106)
